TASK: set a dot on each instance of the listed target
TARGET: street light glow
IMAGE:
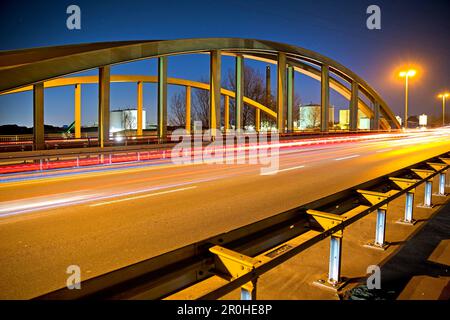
(408, 73)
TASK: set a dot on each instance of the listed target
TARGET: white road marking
(384, 150)
(142, 196)
(281, 170)
(349, 157)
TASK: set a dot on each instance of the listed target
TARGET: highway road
(104, 219)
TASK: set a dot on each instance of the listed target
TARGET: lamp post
(443, 96)
(407, 74)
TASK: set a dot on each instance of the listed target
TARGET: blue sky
(412, 33)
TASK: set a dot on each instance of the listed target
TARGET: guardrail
(244, 254)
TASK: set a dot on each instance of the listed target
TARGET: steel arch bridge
(39, 68)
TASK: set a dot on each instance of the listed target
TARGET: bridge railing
(144, 150)
(236, 259)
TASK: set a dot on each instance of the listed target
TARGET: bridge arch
(22, 68)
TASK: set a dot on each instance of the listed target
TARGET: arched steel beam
(141, 78)
(24, 67)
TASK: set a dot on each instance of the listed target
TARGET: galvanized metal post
(248, 292)
(38, 116)
(162, 99)
(353, 118)
(380, 228)
(409, 205)
(334, 274)
(427, 194)
(441, 184)
(325, 98)
(290, 98)
(281, 92)
(239, 102)
(104, 80)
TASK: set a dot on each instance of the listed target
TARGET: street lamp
(443, 96)
(407, 74)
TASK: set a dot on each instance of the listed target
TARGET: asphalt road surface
(102, 219)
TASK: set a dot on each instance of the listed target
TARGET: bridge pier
(77, 116)
(162, 99)
(38, 116)
(324, 98)
(281, 92)
(103, 104)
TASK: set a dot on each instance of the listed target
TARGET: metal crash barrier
(236, 259)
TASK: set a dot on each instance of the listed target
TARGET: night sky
(413, 33)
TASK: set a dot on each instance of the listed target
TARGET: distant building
(423, 120)
(309, 116)
(125, 120)
(344, 120)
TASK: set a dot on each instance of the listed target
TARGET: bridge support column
(226, 120)
(38, 116)
(353, 119)
(77, 116)
(162, 99)
(188, 110)
(257, 120)
(268, 89)
(104, 80)
(140, 99)
(290, 99)
(248, 291)
(239, 102)
(324, 98)
(376, 116)
(281, 92)
(214, 92)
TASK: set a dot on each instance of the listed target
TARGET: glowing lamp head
(444, 95)
(408, 73)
